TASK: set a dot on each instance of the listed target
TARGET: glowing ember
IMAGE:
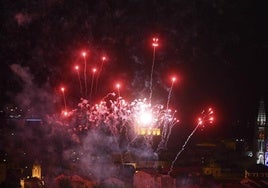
(205, 117)
(155, 42)
(84, 54)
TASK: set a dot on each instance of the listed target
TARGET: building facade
(261, 136)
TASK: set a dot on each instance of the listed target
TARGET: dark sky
(218, 49)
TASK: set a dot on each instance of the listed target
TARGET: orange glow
(155, 42)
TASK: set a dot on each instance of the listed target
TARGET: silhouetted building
(256, 176)
(3, 172)
(257, 171)
(150, 178)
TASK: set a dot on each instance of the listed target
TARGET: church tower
(262, 149)
(36, 177)
(36, 170)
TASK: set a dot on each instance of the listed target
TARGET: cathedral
(261, 136)
(36, 179)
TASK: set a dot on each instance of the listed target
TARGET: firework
(64, 98)
(79, 79)
(130, 121)
(206, 116)
(103, 59)
(129, 125)
(94, 70)
(64, 112)
(173, 79)
(154, 44)
(118, 89)
(84, 54)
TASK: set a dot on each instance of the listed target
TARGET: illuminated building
(148, 131)
(36, 170)
(261, 136)
(35, 180)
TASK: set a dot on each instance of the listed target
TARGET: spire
(261, 118)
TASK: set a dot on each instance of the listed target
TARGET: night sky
(218, 50)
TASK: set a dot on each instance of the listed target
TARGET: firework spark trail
(154, 44)
(92, 82)
(80, 84)
(118, 90)
(99, 72)
(168, 123)
(151, 78)
(161, 144)
(170, 129)
(170, 90)
(85, 72)
(64, 98)
(182, 148)
(79, 79)
(206, 116)
(165, 127)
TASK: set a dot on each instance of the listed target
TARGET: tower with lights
(36, 170)
(35, 179)
(261, 136)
